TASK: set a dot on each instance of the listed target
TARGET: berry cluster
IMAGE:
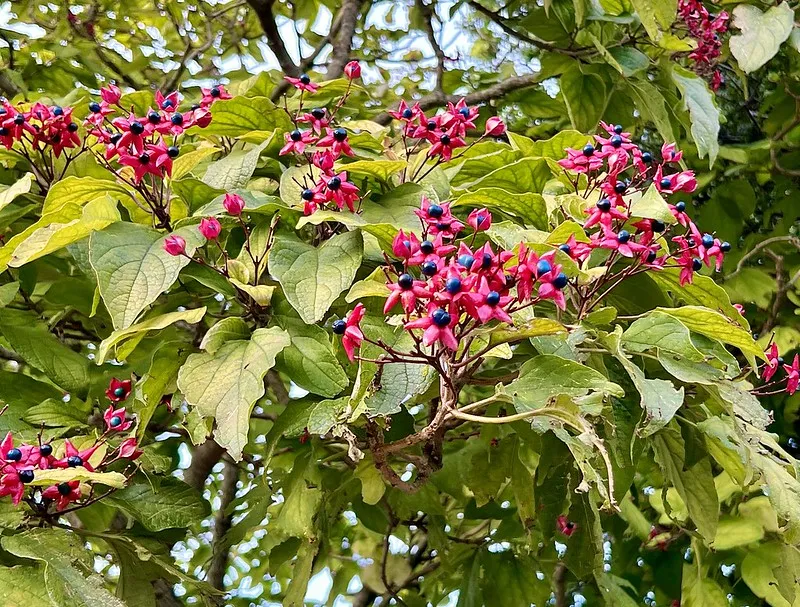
(620, 169)
(143, 143)
(20, 463)
(706, 29)
(447, 290)
(41, 129)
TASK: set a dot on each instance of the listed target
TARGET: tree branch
(222, 524)
(263, 9)
(204, 458)
(344, 38)
(428, 14)
(496, 91)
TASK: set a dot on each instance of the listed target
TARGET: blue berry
(588, 150)
(464, 111)
(616, 141)
(406, 281)
(94, 107)
(25, 476)
(115, 421)
(215, 92)
(565, 248)
(167, 104)
(307, 194)
(429, 268)
(443, 226)
(560, 281)
(431, 125)
(154, 117)
(444, 139)
(64, 489)
(136, 127)
(14, 455)
(144, 158)
(623, 236)
(651, 256)
(177, 119)
(466, 260)
(19, 119)
(340, 135)
(318, 113)
(487, 261)
(46, 450)
(604, 204)
(58, 111)
(680, 206)
(295, 135)
(708, 241)
(618, 129)
(440, 317)
(510, 281)
(725, 246)
(620, 187)
(339, 326)
(426, 246)
(407, 113)
(492, 298)
(73, 461)
(173, 151)
(334, 183)
(696, 264)
(453, 285)
(657, 226)
(543, 267)
(305, 79)
(647, 157)
(435, 211)
(665, 183)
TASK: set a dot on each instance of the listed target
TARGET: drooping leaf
(703, 112)
(168, 503)
(762, 34)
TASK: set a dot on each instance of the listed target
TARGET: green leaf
(166, 504)
(700, 590)
(758, 572)
(547, 376)
(651, 205)
(54, 476)
(8, 292)
(372, 484)
(381, 170)
(240, 115)
(649, 100)
(522, 176)
(724, 445)
(698, 100)
(529, 207)
(399, 384)
(23, 587)
(313, 278)
(65, 567)
(20, 392)
(630, 60)
(16, 189)
(536, 327)
(656, 16)
(555, 146)
(585, 97)
(234, 170)
(184, 163)
(784, 494)
(133, 269)
(302, 499)
(159, 380)
(42, 350)
(224, 331)
(140, 329)
(734, 532)
(309, 359)
(226, 384)
(762, 34)
(301, 574)
(54, 413)
(81, 190)
(373, 285)
(469, 594)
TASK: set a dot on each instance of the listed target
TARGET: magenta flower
(406, 290)
(677, 182)
(210, 228)
(489, 303)
(480, 220)
(174, 245)
(406, 113)
(583, 161)
(118, 390)
(793, 371)
(111, 94)
(336, 140)
(340, 191)
(142, 164)
(495, 127)
(63, 494)
(604, 213)
(318, 118)
(303, 83)
(233, 204)
(296, 142)
(405, 246)
(128, 449)
(168, 103)
(773, 362)
(438, 327)
(115, 419)
(213, 94)
(352, 70)
(74, 458)
(447, 142)
(350, 330)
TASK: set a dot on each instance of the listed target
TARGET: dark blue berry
(464, 111)
(466, 260)
(339, 326)
(64, 489)
(444, 139)
(588, 150)
(657, 226)
(486, 263)
(115, 138)
(647, 157)
(14, 455)
(144, 158)
(406, 281)
(94, 107)
(334, 183)
(780, 360)
(173, 151)
(167, 104)
(725, 246)
(431, 125)
(543, 267)
(215, 92)
(623, 236)
(435, 211)
(340, 135)
(651, 256)
(73, 461)
(443, 226)
(708, 241)
(665, 183)
(318, 113)
(296, 135)
(3, 131)
(72, 127)
(565, 248)
(307, 194)
(25, 476)
(696, 264)
(510, 281)
(440, 317)
(407, 113)
(680, 206)
(407, 244)
(560, 281)
(620, 187)
(154, 117)
(616, 141)
(453, 285)
(19, 119)
(604, 204)
(137, 128)
(493, 298)
(177, 119)
(618, 129)
(115, 421)
(58, 111)
(426, 246)
(194, 106)
(429, 268)
(46, 450)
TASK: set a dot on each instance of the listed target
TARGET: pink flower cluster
(446, 290)
(19, 464)
(618, 168)
(142, 142)
(771, 367)
(447, 131)
(706, 30)
(41, 128)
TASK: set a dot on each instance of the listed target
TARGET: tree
(514, 328)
